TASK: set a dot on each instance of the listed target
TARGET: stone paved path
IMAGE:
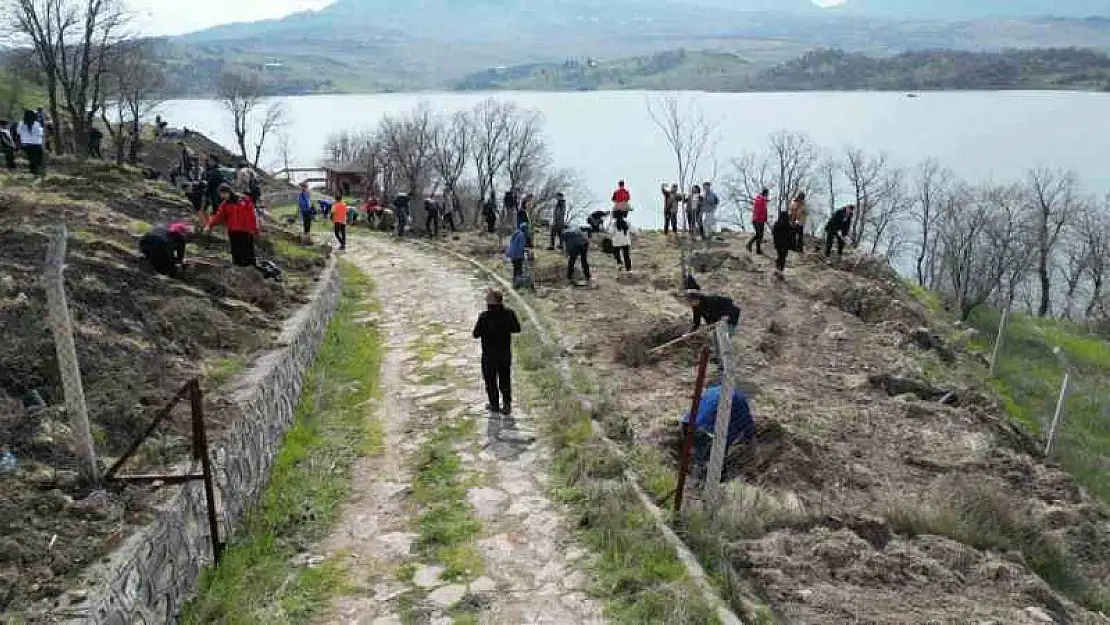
(431, 380)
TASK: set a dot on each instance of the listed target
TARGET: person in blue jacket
(517, 250)
(304, 206)
(741, 427)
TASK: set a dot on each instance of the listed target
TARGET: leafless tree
(888, 212)
(793, 158)
(241, 96)
(133, 86)
(689, 133)
(1094, 228)
(748, 176)
(489, 129)
(865, 175)
(1052, 204)
(450, 151)
(526, 153)
(983, 247)
(406, 142)
(932, 195)
(73, 41)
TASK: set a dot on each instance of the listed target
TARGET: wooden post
(724, 415)
(62, 326)
(996, 352)
(1058, 416)
(689, 429)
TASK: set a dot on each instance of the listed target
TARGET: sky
(174, 17)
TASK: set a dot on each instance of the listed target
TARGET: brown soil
(139, 336)
(844, 368)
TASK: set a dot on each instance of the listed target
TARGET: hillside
(887, 482)
(139, 338)
(358, 46)
(945, 69)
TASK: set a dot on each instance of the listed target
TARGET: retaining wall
(149, 578)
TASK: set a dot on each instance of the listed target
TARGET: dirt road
(450, 524)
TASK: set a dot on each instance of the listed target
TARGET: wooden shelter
(349, 178)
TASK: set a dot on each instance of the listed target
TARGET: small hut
(347, 178)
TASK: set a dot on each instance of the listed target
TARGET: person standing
(495, 328)
(401, 212)
(517, 250)
(576, 244)
(511, 202)
(622, 201)
(452, 208)
(759, 221)
(709, 211)
(213, 180)
(32, 135)
(242, 225)
(558, 220)
(693, 212)
(96, 137)
(837, 229)
(7, 145)
(339, 221)
(197, 191)
(798, 214)
(304, 208)
(783, 235)
(431, 219)
(621, 236)
(489, 211)
(671, 198)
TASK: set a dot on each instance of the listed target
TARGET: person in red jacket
(621, 201)
(759, 221)
(242, 225)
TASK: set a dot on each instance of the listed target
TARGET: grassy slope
(17, 95)
(257, 582)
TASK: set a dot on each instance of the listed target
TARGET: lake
(606, 136)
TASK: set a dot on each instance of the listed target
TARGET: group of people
(699, 207)
(28, 136)
(788, 231)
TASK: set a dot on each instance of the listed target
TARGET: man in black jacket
(577, 246)
(837, 229)
(713, 308)
(489, 211)
(496, 327)
(213, 178)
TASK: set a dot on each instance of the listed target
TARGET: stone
(398, 543)
(1038, 615)
(447, 596)
(486, 502)
(428, 576)
(482, 585)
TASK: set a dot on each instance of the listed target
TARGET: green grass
(637, 572)
(447, 525)
(256, 582)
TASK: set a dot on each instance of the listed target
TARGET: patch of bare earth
(885, 484)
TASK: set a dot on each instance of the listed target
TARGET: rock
(483, 584)
(486, 502)
(428, 576)
(398, 543)
(1038, 615)
(447, 596)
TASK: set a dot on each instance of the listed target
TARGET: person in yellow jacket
(798, 220)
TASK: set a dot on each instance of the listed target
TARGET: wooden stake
(689, 429)
(724, 415)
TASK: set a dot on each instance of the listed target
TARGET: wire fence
(1055, 378)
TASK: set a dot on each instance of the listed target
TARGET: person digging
(576, 243)
(164, 247)
(836, 230)
(741, 426)
(495, 328)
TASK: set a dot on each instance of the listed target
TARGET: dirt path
(450, 523)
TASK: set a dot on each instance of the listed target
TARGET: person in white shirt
(621, 236)
(31, 137)
(709, 206)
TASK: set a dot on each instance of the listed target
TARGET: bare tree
(865, 176)
(44, 26)
(888, 211)
(526, 153)
(1094, 227)
(793, 158)
(748, 176)
(932, 192)
(273, 119)
(407, 145)
(489, 128)
(133, 85)
(450, 151)
(240, 95)
(1052, 204)
(689, 132)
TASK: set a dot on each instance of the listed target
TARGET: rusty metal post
(200, 452)
(689, 429)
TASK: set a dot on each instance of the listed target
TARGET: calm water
(606, 136)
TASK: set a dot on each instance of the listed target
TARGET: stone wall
(148, 578)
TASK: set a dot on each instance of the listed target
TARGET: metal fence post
(724, 415)
(200, 452)
(1061, 403)
(62, 326)
(997, 351)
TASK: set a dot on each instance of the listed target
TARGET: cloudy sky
(171, 17)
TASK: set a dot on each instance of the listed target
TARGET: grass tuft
(257, 581)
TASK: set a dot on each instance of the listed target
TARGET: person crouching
(242, 225)
(495, 328)
(164, 247)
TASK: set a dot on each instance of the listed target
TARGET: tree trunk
(136, 142)
(1042, 271)
(1096, 295)
(56, 127)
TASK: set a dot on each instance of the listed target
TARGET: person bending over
(164, 247)
(837, 230)
(576, 243)
(242, 225)
(495, 328)
(713, 308)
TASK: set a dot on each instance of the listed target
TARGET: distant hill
(945, 69)
(385, 45)
(824, 69)
(976, 9)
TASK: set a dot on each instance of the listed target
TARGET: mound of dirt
(634, 347)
